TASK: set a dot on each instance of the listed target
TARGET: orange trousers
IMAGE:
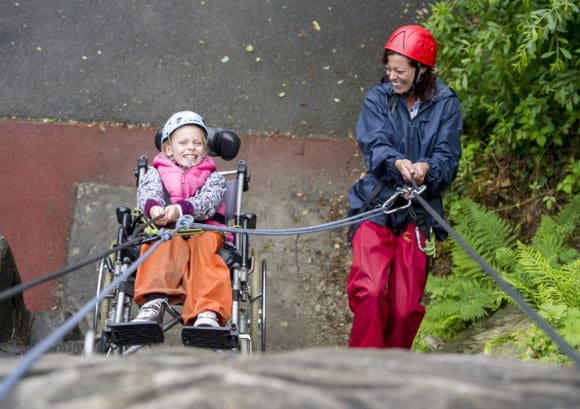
(189, 272)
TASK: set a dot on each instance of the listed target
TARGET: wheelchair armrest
(124, 216)
(249, 220)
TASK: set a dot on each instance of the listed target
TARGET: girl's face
(187, 145)
(401, 73)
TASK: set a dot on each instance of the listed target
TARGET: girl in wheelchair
(184, 270)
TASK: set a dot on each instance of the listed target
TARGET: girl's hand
(157, 211)
(165, 215)
(169, 214)
(172, 213)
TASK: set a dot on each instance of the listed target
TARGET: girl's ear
(167, 148)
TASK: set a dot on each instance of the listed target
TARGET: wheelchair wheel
(115, 307)
(102, 310)
(257, 314)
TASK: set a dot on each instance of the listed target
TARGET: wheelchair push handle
(243, 170)
(141, 168)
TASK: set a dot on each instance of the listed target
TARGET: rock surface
(311, 378)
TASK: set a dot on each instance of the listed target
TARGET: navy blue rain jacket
(386, 133)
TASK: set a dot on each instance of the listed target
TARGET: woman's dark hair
(426, 86)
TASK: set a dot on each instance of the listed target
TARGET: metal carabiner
(414, 189)
(417, 191)
(390, 201)
(429, 248)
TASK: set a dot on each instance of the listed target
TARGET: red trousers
(189, 272)
(385, 287)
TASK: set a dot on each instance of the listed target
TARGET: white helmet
(180, 119)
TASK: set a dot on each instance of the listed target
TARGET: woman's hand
(405, 168)
(409, 170)
(420, 170)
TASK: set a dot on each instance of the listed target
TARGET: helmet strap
(417, 69)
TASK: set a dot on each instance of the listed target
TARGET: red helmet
(414, 42)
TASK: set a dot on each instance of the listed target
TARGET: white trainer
(207, 319)
(152, 311)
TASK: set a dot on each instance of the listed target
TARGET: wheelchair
(246, 330)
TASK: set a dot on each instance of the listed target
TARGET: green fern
(554, 285)
(455, 303)
(512, 272)
(485, 232)
(468, 295)
(475, 298)
(552, 237)
(546, 273)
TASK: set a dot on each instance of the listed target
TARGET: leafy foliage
(552, 236)
(515, 67)
(549, 273)
(484, 231)
(456, 303)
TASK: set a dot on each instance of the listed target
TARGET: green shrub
(515, 67)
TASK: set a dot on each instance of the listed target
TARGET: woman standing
(409, 129)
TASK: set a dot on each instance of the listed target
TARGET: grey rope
(12, 291)
(414, 193)
(385, 209)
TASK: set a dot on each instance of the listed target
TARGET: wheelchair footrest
(209, 337)
(136, 333)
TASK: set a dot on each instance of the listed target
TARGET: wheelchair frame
(245, 331)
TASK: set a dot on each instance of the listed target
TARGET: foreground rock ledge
(319, 378)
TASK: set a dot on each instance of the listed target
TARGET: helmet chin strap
(415, 78)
